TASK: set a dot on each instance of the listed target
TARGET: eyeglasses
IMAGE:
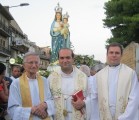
(32, 62)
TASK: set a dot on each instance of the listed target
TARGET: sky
(87, 32)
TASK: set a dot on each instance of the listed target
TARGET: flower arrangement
(44, 73)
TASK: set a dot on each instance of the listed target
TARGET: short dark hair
(15, 66)
(2, 68)
(72, 54)
(22, 69)
(115, 44)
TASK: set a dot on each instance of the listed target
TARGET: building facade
(14, 43)
(5, 34)
(131, 56)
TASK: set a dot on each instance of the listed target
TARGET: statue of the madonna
(58, 34)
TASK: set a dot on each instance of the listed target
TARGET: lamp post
(21, 5)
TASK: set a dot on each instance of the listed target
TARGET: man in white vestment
(64, 83)
(30, 97)
(115, 89)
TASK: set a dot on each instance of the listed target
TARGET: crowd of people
(103, 92)
(5, 83)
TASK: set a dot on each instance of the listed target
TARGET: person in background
(3, 85)
(96, 68)
(4, 92)
(64, 83)
(30, 96)
(9, 81)
(85, 69)
(15, 72)
(115, 89)
(93, 70)
(22, 70)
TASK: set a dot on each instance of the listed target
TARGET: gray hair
(97, 67)
(29, 54)
(85, 69)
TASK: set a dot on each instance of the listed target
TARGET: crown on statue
(58, 8)
(66, 15)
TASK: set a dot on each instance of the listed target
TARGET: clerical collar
(67, 75)
(114, 65)
(32, 78)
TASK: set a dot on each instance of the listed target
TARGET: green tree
(84, 59)
(122, 17)
(18, 60)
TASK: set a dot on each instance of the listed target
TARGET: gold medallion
(65, 112)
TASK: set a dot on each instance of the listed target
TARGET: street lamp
(22, 4)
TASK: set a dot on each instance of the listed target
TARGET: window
(4, 43)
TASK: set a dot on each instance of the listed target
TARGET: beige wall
(129, 56)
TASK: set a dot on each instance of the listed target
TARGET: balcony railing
(4, 30)
(5, 51)
(20, 44)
